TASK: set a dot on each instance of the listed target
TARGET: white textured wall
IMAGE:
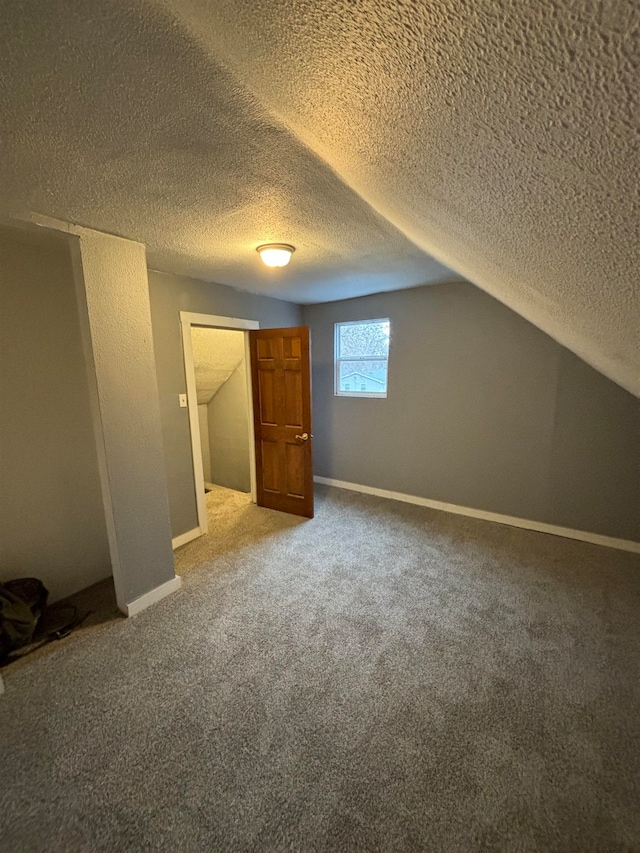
(216, 354)
(52, 522)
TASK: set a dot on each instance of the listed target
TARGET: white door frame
(212, 321)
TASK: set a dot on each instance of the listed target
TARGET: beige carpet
(234, 523)
(382, 677)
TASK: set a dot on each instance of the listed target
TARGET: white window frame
(338, 360)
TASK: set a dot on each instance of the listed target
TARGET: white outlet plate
(183, 400)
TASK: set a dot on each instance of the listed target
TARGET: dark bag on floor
(22, 603)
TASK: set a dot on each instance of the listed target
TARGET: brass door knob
(304, 436)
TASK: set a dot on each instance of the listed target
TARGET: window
(361, 358)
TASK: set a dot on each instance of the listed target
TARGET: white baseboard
(189, 536)
(526, 524)
(154, 595)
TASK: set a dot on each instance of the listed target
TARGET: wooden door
(281, 379)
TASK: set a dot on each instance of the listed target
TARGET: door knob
(304, 436)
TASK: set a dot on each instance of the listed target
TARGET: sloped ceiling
(375, 135)
(216, 354)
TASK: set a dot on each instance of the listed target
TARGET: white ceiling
(374, 135)
(216, 354)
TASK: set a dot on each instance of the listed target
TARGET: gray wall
(112, 290)
(52, 521)
(229, 433)
(169, 295)
(484, 410)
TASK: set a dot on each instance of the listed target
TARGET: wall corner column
(113, 301)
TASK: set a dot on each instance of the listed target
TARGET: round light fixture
(276, 254)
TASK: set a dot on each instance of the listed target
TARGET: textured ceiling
(216, 354)
(116, 118)
(500, 138)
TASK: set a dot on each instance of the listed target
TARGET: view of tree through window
(361, 357)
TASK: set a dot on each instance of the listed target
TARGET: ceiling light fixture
(276, 254)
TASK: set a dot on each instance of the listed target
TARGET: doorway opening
(219, 400)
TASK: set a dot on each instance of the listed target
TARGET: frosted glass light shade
(276, 254)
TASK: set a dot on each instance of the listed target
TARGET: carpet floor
(382, 677)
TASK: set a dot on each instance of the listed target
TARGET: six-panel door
(281, 379)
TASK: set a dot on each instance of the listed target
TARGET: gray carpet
(383, 677)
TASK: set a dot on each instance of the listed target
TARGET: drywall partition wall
(169, 295)
(484, 411)
(113, 297)
(229, 432)
(52, 522)
(203, 420)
